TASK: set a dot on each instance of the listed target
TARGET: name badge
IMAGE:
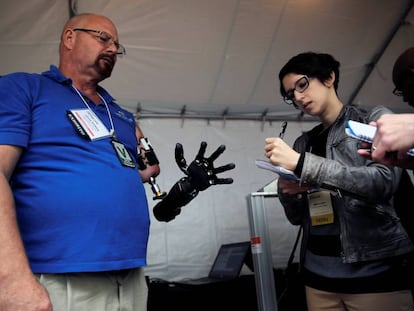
(123, 154)
(320, 208)
(88, 124)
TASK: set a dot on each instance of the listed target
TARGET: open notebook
(281, 171)
(227, 264)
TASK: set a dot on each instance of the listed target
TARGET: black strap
(288, 271)
(292, 254)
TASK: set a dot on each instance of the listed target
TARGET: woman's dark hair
(313, 65)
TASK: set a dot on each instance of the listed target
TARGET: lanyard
(112, 130)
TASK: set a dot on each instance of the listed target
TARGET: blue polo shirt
(78, 208)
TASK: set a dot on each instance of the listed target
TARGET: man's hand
(24, 295)
(201, 172)
(393, 138)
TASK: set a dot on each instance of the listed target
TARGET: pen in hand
(283, 130)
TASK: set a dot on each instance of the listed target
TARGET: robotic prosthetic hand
(200, 175)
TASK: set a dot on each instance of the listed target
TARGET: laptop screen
(229, 260)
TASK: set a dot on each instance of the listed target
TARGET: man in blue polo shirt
(74, 219)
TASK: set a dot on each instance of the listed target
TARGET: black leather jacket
(363, 193)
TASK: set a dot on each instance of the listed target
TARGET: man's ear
(331, 80)
(68, 38)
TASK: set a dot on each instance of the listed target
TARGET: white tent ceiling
(220, 58)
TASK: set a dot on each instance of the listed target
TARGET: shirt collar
(55, 74)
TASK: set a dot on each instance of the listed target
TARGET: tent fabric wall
(186, 246)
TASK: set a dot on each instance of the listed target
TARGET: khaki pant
(318, 300)
(124, 290)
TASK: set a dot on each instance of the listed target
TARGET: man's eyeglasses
(397, 92)
(105, 38)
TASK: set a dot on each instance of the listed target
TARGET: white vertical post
(261, 251)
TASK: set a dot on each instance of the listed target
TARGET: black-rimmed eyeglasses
(397, 92)
(300, 86)
(105, 38)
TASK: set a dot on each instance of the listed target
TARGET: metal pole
(261, 251)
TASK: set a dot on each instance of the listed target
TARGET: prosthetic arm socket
(149, 154)
(179, 195)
